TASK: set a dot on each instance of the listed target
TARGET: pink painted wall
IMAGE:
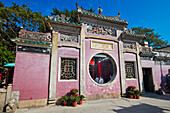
(129, 82)
(31, 75)
(159, 72)
(91, 87)
(63, 87)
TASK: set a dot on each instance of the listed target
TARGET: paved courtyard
(149, 103)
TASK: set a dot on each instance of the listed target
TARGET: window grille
(130, 69)
(68, 69)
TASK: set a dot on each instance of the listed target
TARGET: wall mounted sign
(102, 45)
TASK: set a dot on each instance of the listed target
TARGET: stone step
(51, 101)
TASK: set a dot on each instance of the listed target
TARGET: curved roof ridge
(112, 18)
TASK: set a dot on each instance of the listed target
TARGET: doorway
(148, 79)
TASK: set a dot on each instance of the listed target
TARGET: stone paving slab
(148, 104)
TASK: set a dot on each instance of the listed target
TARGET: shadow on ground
(156, 96)
(141, 108)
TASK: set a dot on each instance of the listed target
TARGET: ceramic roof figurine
(100, 10)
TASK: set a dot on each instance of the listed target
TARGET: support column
(8, 93)
(122, 68)
(140, 73)
(82, 61)
(53, 69)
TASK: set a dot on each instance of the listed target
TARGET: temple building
(97, 54)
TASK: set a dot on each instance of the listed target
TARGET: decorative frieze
(68, 38)
(36, 36)
(146, 58)
(167, 62)
(146, 51)
(33, 49)
(129, 45)
(96, 29)
(102, 45)
(63, 28)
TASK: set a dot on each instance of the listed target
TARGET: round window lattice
(102, 68)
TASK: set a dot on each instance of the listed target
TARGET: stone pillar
(8, 93)
(122, 68)
(82, 61)
(140, 73)
(53, 69)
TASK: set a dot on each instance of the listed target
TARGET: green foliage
(65, 98)
(74, 91)
(152, 38)
(73, 99)
(81, 97)
(137, 92)
(11, 20)
(130, 92)
(5, 54)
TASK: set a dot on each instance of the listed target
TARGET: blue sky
(154, 14)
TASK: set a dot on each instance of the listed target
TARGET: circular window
(102, 68)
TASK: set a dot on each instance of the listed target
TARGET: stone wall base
(32, 103)
(102, 96)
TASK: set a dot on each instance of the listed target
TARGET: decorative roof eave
(30, 42)
(132, 36)
(113, 19)
(116, 21)
(55, 21)
(145, 53)
(163, 49)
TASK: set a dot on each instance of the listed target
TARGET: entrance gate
(148, 79)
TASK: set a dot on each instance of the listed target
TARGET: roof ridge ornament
(100, 10)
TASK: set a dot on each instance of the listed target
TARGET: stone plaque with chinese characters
(102, 45)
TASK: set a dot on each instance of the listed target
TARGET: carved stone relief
(68, 38)
(102, 30)
(129, 45)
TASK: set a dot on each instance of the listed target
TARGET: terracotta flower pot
(131, 96)
(80, 102)
(74, 104)
(64, 103)
(137, 97)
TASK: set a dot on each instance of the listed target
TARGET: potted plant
(64, 99)
(130, 93)
(80, 98)
(74, 100)
(137, 93)
(73, 91)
